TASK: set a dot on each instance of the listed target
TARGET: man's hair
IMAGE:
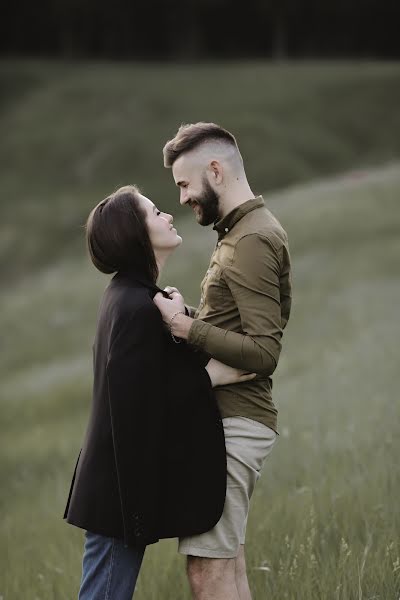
(117, 236)
(192, 135)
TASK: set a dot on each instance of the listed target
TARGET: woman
(153, 462)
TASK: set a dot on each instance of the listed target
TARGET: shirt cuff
(198, 333)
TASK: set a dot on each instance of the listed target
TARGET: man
(245, 305)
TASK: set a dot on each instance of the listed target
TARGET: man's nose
(183, 198)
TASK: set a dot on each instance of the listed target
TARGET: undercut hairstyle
(117, 236)
(193, 135)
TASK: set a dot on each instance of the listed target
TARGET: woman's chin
(178, 241)
(175, 244)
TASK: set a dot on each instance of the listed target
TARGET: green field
(325, 520)
(73, 132)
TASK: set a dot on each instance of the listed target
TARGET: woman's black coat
(153, 461)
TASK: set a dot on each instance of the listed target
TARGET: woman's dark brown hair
(117, 235)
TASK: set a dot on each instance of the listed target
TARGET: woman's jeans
(110, 568)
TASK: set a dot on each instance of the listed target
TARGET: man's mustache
(193, 203)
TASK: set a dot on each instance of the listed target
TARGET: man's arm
(254, 281)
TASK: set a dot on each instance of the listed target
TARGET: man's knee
(209, 571)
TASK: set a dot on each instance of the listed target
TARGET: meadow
(325, 519)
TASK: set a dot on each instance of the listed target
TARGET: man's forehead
(182, 167)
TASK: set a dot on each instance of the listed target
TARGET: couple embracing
(182, 417)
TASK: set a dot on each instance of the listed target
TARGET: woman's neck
(161, 259)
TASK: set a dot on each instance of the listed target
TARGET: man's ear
(216, 171)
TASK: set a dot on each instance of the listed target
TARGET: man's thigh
(248, 443)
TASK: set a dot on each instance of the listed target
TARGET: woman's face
(163, 235)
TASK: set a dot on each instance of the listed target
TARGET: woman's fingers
(171, 290)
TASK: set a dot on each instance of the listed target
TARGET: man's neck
(234, 197)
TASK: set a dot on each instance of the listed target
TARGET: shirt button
(226, 230)
(219, 244)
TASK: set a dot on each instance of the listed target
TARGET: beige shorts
(248, 443)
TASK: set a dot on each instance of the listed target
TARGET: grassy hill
(72, 132)
(325, 517)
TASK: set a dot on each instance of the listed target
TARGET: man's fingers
(248, 376)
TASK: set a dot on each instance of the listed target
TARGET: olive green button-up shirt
(245, 305)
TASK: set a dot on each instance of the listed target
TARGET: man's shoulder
(262, 223)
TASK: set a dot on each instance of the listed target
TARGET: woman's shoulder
(129, 303)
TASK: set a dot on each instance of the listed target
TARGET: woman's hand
(221, 374)
(169, 306)
(173, 290)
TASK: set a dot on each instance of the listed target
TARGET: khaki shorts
(248, 443)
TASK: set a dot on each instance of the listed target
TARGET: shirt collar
(226, 223)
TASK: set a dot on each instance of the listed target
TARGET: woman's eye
(158, 212)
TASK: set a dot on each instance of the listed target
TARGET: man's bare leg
(212, 578)
(242, 583)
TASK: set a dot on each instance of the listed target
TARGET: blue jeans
(110, 568)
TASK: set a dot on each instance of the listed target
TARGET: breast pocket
(215, 290)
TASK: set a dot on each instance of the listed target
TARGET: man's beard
(208, 205)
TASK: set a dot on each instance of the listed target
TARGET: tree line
(201, 29)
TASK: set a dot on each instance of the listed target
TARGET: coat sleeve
(135, 392)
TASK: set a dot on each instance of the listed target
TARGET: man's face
(196, 191)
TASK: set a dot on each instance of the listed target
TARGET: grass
(72, 132)
(324, 522)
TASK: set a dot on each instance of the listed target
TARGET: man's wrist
(181, 325)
